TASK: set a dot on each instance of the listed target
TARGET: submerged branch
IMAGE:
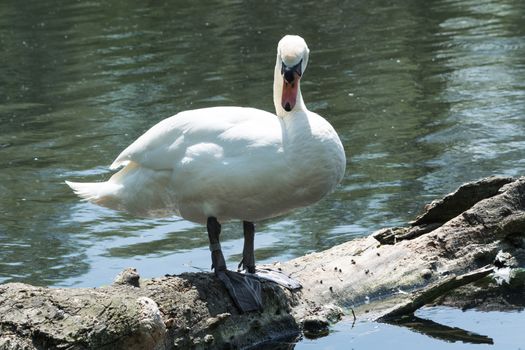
(434, 291)
(439, 331)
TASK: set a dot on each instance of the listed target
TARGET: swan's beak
(291, 77)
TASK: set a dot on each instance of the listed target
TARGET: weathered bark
(456, 235)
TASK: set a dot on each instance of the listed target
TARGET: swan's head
(292, 58)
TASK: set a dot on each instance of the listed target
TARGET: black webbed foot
(245, 290)
(278, 277)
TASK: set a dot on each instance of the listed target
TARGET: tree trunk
(378, 274)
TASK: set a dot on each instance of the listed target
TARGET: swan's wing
(231, 128)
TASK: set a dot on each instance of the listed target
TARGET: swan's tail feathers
(96, 192)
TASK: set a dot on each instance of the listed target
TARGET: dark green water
(425, 95)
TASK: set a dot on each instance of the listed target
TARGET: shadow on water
(441, 332)
(425, 96)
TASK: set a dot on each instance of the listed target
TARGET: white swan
(215, 164)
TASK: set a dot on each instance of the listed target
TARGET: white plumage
(228, 162)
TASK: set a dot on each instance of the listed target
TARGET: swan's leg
(217, 259)
(244, 290)
(248, 262)
(248, 256)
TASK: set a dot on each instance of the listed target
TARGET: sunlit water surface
(425, 95)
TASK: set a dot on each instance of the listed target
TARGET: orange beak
(290, 89)
(291, 77)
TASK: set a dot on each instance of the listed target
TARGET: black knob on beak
(289, 72)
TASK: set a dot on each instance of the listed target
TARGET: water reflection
(425, 96)
(446, 325)
(485, 89)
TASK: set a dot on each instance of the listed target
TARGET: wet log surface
(459, 235)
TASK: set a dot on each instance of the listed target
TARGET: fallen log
(456, 235)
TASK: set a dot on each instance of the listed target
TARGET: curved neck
(278, 92)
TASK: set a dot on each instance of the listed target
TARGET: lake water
(425, 95)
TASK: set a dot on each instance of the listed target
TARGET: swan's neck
(278, 93)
